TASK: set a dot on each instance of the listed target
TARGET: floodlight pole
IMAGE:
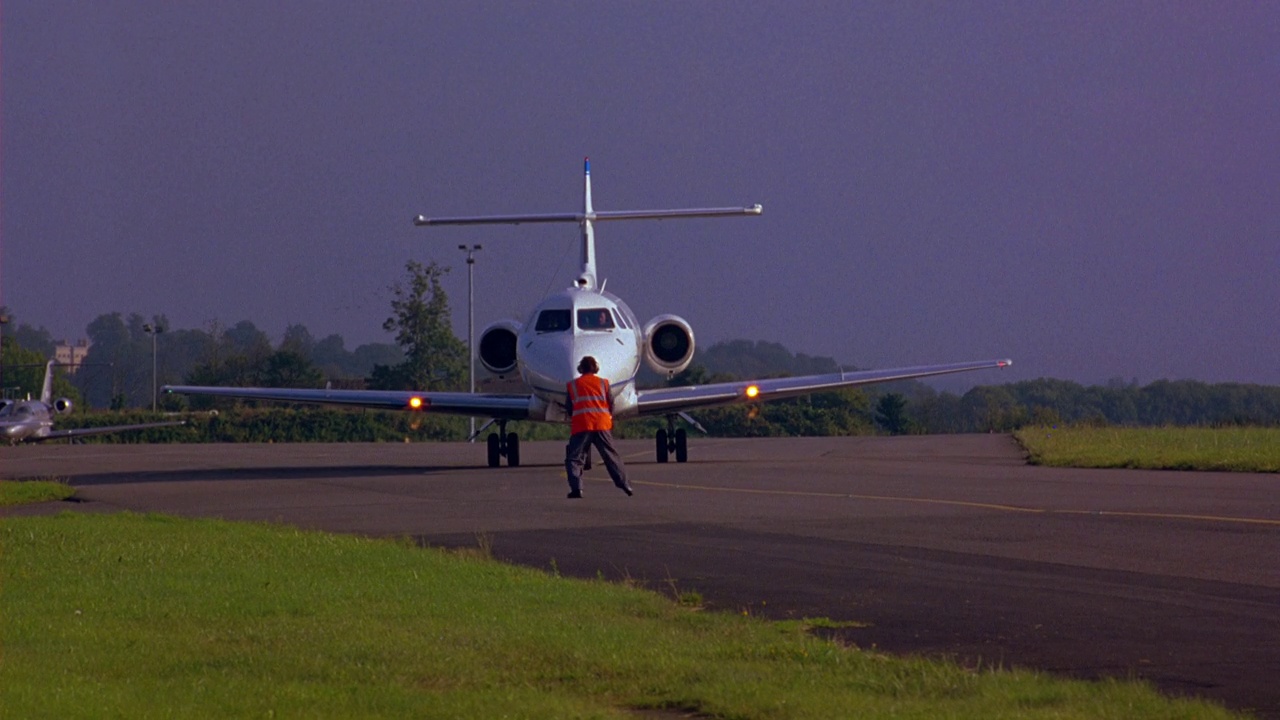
(4, 320)
(153, 331)
(471, 327)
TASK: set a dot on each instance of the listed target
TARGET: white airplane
(533, 362)
(32, 420)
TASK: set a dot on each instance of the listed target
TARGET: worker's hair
(588, 365)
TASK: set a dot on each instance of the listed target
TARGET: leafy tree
(23, 370)
(244, 338)
(434, 357)
(936, 412)
(179, 351)
(891, 414)
(992, 409)
(297, 339)
(30, 338)
(333, 359)
(760, 359)
(286, 368)
(365, 357)
(116, 367)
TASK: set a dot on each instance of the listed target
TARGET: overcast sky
(1090, 188)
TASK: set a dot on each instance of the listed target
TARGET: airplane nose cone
(548, 362)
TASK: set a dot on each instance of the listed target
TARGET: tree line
(427, 355)
(915, 407)
(117, 371)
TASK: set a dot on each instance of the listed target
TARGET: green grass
(150, 616)
(22, 492)
(1237, 449)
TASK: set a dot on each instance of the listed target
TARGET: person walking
(591, 423)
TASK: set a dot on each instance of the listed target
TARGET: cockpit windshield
(15, 411)
(552, 321)
(595, 319)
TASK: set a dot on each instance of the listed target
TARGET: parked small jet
(537, 359)
(32, 420)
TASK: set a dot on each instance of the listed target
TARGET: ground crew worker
(591, 422)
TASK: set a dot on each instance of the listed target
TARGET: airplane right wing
(664, 401)
(505, 407)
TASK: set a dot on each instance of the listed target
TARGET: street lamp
(4, 320)
(153, 331)
(471, 326)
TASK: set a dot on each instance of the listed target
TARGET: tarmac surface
(945, 546)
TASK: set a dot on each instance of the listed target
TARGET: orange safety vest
(589, 398)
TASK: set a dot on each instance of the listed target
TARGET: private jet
(24, 421)
(530, 363)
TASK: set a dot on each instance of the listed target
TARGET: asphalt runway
(947, 546)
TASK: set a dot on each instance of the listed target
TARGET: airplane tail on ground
(46, 393)
(586, 219)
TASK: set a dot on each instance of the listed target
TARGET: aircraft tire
(513, 450)
(682, 446)
(662, 446)
(495, 454)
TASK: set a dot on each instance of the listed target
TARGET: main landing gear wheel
(672, 440)
(504, 443)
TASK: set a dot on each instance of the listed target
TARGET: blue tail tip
(586, 165)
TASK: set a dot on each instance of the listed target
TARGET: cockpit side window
(622, 320)
(553, 321)
(595, 319)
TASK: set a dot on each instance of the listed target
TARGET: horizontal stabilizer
(499, 219)
(686, 213)
(595, 216)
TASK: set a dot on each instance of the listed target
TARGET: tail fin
(587, 218)
(46, 393)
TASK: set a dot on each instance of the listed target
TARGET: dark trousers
(575, 455)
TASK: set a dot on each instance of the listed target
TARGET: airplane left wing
(664, 401)
(506, 407)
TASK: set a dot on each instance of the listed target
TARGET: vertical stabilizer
(587, 278)
(46, 393)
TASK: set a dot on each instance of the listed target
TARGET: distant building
(70, 355)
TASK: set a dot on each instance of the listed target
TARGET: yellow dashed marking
(970, 504)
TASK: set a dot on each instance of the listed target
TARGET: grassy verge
(142, 616)
(22, 492)
(1238, 449)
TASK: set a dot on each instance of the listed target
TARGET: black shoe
(575, 495)
(627, 490)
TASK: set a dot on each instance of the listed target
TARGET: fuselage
(564, 328)
(22, 420)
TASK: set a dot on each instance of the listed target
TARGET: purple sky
(1090, 188)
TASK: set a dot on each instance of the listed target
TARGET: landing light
(415, 403)
(752, 391)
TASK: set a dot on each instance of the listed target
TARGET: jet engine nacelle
(497, 350)
(62, 405)
(668, 344)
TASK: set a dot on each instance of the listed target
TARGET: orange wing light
(416, 403)
(752, 391)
